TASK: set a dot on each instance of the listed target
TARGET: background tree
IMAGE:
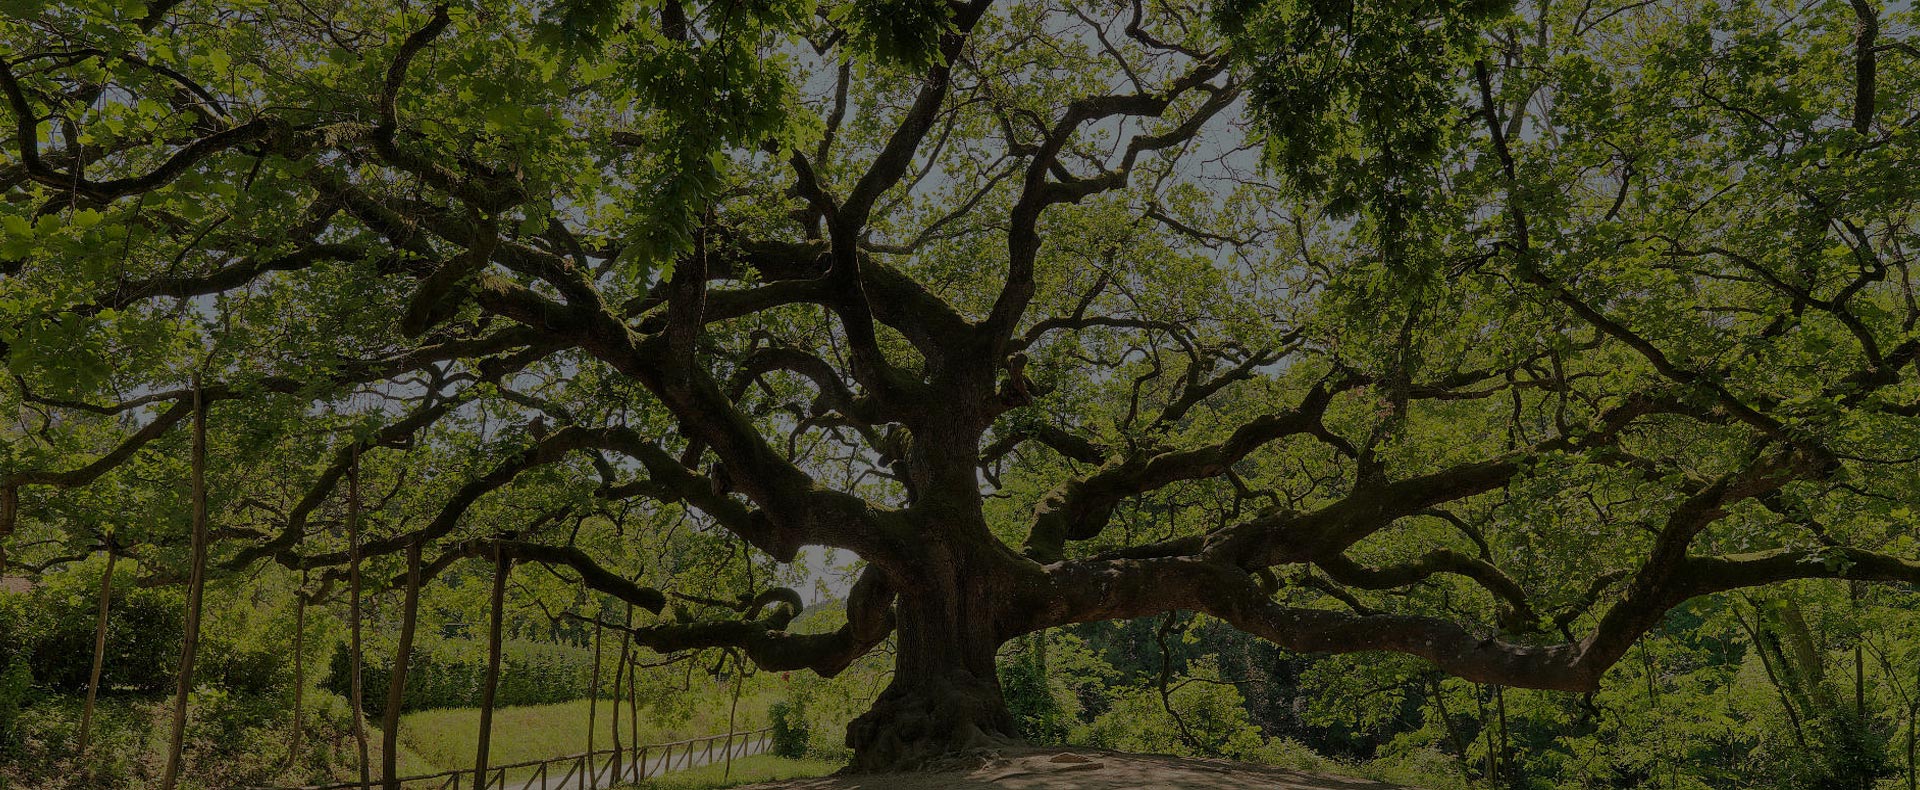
(1542, 321)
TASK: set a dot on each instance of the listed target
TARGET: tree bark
(99, 653)
(397, 683)
(196, 585)
(945, 698)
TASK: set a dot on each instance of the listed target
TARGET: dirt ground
(1087, 769)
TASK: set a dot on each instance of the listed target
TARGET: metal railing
(584, 771)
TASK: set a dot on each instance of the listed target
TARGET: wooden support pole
(397, 683)
(619, 674)
(99, 653)
(501, 566)
(593, 695)
(9, 513)
(196, 586)
(633, 699)
(733, 713)
(299, 668)
(355, 691)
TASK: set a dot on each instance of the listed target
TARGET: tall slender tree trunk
(1454, 737)
(733, 712)
(619, 674)
(501, 566)
(196, 586)
(397, 683)
(9, 513)
(593, 696)
(299, 668)
(355, 691)
(1506, 745)
(99, 652)
(632, 714)
(1859, 657)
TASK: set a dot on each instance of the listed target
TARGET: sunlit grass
(746, 770)
(447, 737)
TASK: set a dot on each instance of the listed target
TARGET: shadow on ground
(1086, 769)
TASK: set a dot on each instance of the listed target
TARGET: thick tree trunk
(945, 698)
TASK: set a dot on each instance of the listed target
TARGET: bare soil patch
(1086, 769)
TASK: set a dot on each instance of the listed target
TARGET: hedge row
(450, 674)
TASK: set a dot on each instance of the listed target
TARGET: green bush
(1202, 716)
(1038, 707)
(790, 730)
(450, 675)
(16, 684)
(16, 678)
(55, 622)
(251, 658)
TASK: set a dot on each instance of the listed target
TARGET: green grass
(746, 770)
(446, 738)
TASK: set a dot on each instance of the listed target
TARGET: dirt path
(1088, 769)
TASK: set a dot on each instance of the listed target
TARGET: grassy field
(446, 738)
(747, 770)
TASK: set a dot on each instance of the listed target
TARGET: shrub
(450, 675)
(16, 682)
(1039, 705)
(1212, 711)
(55, 624)
(790, 729)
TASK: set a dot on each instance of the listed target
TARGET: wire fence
(594, 770)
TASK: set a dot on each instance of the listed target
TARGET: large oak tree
(1483, 333)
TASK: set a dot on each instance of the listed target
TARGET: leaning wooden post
(593, 693)
(619, 674)
(733, 712)
(299, 667)
(355, 692)
(633, 699)
(99, 652)
(9, 512)
(501, 565)
(397, 683)
(196, 585)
